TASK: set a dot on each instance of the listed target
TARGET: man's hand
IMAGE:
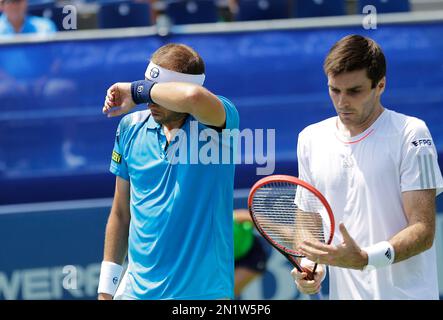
(118, 99)
(346, 255)
(104, 296)
(308, 286)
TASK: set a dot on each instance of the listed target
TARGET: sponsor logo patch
(422, 142)
(116, 157)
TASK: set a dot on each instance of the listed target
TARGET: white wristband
(110, 274)
(380, 255)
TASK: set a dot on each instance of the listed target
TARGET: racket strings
(289, 214)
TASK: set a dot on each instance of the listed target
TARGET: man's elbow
(429, 240)
(121, 216)
(195, 95)
(205, 106)
(428, 237)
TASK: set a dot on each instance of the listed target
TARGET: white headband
(158, 74)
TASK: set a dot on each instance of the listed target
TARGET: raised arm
(174, 96)
(192, 99)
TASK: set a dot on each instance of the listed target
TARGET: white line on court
(77, 204)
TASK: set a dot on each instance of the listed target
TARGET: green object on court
(243, 238)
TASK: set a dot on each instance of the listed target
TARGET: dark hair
(355, 52)
(180, 58)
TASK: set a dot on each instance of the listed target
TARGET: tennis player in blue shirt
(173, 202)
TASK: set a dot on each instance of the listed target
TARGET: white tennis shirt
(363, 178)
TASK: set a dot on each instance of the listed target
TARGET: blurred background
(57, 58)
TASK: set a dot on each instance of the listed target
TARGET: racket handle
(294, 263)
(315, 268)
(311, 273)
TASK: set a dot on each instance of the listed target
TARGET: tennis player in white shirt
(378, 169)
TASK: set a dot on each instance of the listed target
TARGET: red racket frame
(288, 253)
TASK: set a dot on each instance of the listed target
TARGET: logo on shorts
(154, 73)
(116, 157)
(114, 280)
(422, 142)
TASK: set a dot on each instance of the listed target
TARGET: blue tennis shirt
(181, 231)
(31, 25)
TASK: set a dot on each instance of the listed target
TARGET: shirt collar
(151, 124)
(10, 29)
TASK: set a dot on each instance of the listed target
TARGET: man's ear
(381, 85)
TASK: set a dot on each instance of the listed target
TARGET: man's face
(164, 116)
(15, 9)
(353, 97)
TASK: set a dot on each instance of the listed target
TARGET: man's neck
(170, 126)
(17, 24)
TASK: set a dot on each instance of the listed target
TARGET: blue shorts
(256, 257)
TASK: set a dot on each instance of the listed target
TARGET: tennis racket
(288, 211)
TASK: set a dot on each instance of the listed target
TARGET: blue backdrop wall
(55, 144)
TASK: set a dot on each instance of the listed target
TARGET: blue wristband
(141, 91)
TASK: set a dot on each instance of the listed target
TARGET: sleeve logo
(116, 157)
(388, 254)
(422, 142)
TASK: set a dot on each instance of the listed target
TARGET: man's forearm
(412, 240)
(419, 235)
(191, 99)
(116, 239)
